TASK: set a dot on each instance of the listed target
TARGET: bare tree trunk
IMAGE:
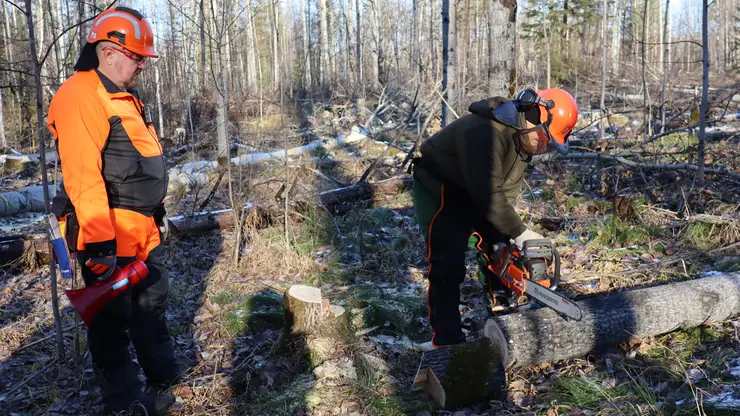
(203, 49)
(40, 127)
(449, 73)
(705, 89)
(358, 10)
(305, 11)
(415, 45)
(223, 100)
(616, 47)
(476, 39)
(377, 44)
(502, 47)
(566, 27)
(348, 15)
(324, 46)
(275, 45)
(432, 47)
(604, 16)
(3, 139)
(252, 50)
(548, 35)
(666, 65)
(330, 35)
(645, 88)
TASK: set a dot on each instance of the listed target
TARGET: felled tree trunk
(541, 335)
(28, 199)
(311, 319)
(462, 374)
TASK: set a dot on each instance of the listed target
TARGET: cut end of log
(461, 375)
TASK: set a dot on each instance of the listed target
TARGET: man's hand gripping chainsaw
(527, 272)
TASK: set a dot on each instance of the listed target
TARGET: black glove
(160, 218)
(103, 267)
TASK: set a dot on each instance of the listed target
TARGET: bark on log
(310, 319)
(541, 335)
(195, 172)
(461, 375)
(28, 199)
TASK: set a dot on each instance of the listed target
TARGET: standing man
(468, 178)
(115, 181)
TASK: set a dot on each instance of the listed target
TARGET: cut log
(461, 375)
(541, 335)
(28, 199)
(193, 173)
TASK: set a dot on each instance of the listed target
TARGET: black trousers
(448, 222)
(135, 316)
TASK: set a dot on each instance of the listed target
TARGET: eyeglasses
(138, 59)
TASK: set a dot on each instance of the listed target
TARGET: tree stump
(311, 319)
(463, 374)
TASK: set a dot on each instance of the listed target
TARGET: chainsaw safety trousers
(447, 223)
(112, 163)
(140, 310)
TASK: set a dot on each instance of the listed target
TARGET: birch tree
(449, 60)
(502, 47)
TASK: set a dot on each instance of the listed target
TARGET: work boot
(444, 313)
(144, 405)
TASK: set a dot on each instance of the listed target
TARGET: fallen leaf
(185, 392)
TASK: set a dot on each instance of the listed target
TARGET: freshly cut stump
(461, 375)
(322, 326)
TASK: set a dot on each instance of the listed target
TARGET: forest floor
(615, 227)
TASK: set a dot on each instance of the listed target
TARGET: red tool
(88, 301)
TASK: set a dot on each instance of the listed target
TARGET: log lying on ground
(462, 374)
(336, 200)
(28, 199)
(541, 335)
(195, 172)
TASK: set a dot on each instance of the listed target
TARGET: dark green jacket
(479, 155)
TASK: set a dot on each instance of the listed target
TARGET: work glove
(103, 267)
(526, 235)
(160, 219)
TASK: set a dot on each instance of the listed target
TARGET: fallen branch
(28, 199)
(624, 161)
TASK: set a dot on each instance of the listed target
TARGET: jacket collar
(110, 86)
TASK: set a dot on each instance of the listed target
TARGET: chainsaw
(533, 271)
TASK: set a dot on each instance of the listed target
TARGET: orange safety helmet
(562, 116)
(123, 26)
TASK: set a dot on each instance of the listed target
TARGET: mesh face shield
(534, 140)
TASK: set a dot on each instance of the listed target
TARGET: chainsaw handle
(556, 277)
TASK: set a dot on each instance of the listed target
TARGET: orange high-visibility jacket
(112, 165)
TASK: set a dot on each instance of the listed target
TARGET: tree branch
(16, 6)
(53, 42)
(624, 161)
